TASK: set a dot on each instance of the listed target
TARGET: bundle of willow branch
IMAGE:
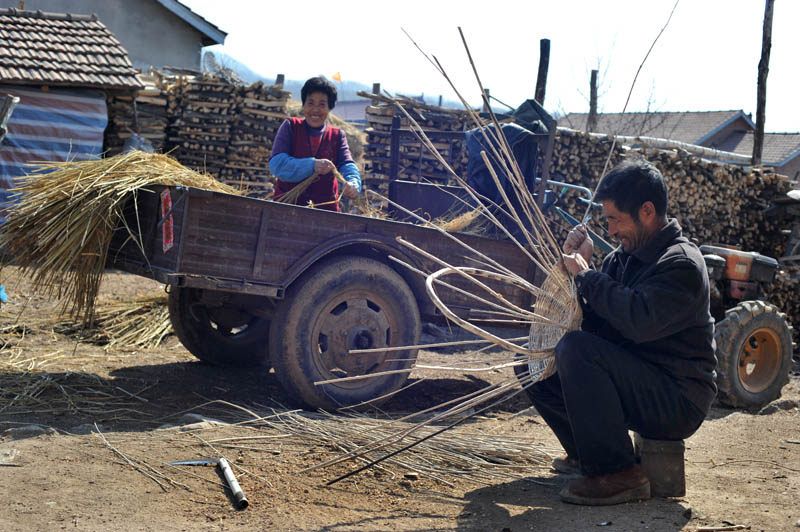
(465, 454)
(362, 205)
(555, 311)
(60, 228)
(293, 194)
(140, 323)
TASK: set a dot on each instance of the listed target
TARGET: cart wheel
(341, 304)
(754, 354)
(220, 328)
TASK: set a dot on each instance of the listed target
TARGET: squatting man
(643, 359)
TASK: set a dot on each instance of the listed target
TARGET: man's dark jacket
(654, 302)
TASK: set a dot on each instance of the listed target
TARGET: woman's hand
(349, 190)
(323, 166)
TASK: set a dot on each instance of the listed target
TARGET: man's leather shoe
(567, 465)
(615, 488)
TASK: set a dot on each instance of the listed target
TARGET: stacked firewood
(203, 109)
(414, 160)
(259, 112)
(206, 122)
(714, 202)
(144, 113)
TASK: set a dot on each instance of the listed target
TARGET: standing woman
(307, 146)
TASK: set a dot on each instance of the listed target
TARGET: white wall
(152, 35)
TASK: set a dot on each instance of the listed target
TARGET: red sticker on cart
(167, 233)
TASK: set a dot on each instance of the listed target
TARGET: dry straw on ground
(139, 323)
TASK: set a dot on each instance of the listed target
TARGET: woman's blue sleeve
(291, 169)
(351, 174)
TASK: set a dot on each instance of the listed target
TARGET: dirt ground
(86, 434)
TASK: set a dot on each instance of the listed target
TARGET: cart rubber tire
(243, 342)
(754, 355)
(340, 304)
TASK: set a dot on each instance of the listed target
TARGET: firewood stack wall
(414, 160)
(206, 123)
(199, 135)
(259, 112)
(146, 112)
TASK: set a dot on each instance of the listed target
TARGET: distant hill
(347, 90)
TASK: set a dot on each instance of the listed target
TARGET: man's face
(629, 231)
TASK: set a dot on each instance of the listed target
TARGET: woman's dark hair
(319, 84)
(632, 183)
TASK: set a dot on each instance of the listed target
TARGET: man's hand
(323, 166)
(578, 241)
(574, 263)
(349, 190)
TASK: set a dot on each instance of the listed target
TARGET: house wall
(352, 111)
(740, 124)
(152, 35)
(790, 169)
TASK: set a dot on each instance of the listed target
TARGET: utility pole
(763, 70)
(544, 63)
(591, 121)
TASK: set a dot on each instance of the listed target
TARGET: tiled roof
(779, 148)
(689, 127)
(62, 50)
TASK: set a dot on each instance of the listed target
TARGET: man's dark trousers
(599, 392)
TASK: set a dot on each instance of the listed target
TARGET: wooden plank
(261, 245)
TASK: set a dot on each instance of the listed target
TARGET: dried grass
(139, 323)
(27, 387)
(465, 454)
(60, 229)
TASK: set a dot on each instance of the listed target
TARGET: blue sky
(706, 59)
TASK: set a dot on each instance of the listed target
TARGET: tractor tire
(341, 304)
(754, 355)
(222, 330)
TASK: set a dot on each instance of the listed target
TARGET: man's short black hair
(319, 84)
(632, 183)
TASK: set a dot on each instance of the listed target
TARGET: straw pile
(27, 387)
(60, 229)
(140, 323)
(466, 454)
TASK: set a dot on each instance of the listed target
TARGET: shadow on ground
(142, 397)
(533, 504)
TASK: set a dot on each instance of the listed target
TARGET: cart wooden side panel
(233, 243)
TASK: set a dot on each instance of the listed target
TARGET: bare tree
(763, 70)
(591, 121)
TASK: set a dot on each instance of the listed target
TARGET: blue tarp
(50, 125)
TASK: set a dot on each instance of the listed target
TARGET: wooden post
(279, 80)
(486, 104)
(591, 121)
(376, 89)
(763, 70)
(544, 63)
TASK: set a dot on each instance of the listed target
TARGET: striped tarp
(50, 125)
